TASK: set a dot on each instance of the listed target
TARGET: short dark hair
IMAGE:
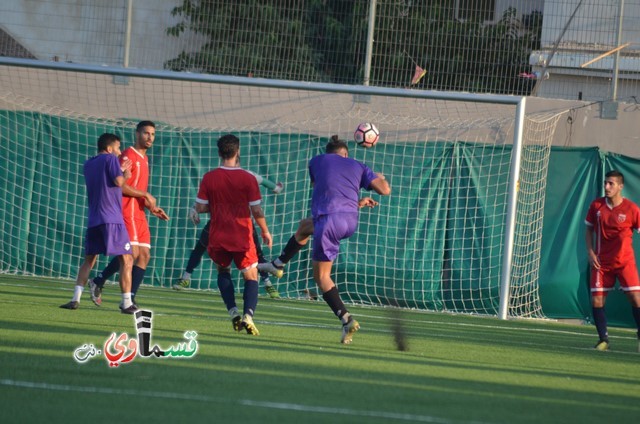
(106, 140)
(143, 124)
(616, 174)
(228, 146)
(336, 144)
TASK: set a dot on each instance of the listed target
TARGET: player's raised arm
(274, 187)
(380, 185)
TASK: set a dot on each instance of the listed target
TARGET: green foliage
(325, 41)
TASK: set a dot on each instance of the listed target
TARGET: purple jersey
(105, 197)
(336, 183)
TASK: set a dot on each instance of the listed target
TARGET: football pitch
(457, 369)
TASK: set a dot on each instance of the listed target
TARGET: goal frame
(360, 93)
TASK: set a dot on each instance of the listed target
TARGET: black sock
(290, 250)
(225, 285)
(110, 269)
(636, 316)
(600, 319)
(250, 297)
(137, 275)
(195, 257)
(332, 297)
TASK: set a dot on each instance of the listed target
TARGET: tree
(325, 41)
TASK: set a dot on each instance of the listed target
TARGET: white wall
(92, 31)
(592, 32)
(595, 23)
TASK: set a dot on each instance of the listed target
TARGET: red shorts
(603, 279)
(243, 260)
(138, 229)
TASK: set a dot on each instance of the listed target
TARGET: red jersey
(613, 227)
(229, 192)
(133, 207)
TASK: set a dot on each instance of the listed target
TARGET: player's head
(145, 134)
(228, 146)
(613, 183)
(109, 143)
(337, 146)
(615, 174)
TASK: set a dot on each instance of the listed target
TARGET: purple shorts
(107, 239)
(328, 230)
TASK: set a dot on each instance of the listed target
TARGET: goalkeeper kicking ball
(366, 135)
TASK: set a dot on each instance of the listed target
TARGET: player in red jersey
(612, 220)
(135, 199)
(231, 196)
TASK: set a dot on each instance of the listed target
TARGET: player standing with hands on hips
(337, 180)
(612, 219)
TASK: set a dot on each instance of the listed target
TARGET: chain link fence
(568, 49)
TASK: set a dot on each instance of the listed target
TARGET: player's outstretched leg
(272, 268)
(293, 246)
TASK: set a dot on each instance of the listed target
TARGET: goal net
(437, 243)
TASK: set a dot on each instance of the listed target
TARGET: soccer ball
(366, 135)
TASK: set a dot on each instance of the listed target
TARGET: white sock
(233, 311)
(186, 276)
(126, 300)
(77, 293)
(277, 262)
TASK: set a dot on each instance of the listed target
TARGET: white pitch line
(243, 402)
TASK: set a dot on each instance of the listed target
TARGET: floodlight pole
(369, 53)
(127, 35)
(512, 203)
(616, 58)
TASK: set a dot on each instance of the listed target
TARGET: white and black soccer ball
(366, 135)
